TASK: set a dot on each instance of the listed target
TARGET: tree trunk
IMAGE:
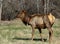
(0, 8)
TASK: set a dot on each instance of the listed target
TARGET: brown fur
(38, 21)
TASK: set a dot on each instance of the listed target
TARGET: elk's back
(38, 20)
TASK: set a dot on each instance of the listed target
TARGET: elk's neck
(26, 20)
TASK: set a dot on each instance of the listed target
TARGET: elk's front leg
(33, 32)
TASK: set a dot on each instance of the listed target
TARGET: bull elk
(38, 21)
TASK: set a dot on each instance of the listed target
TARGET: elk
(38, 21)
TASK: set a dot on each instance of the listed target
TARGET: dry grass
(15, 32)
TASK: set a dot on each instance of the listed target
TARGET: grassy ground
(15, 32)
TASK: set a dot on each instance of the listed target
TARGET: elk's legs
(50, 35)
(33, 32)
(40, 31)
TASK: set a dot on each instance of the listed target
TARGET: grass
(15, 32)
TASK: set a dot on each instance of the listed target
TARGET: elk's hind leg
(40, 31)
(50, 34)
(48, 25)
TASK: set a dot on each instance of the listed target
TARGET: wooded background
(10, 8)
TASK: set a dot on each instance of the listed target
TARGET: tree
(0, 8)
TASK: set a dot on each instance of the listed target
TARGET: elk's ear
(23, 11)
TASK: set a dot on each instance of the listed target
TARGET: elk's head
(21, 14)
